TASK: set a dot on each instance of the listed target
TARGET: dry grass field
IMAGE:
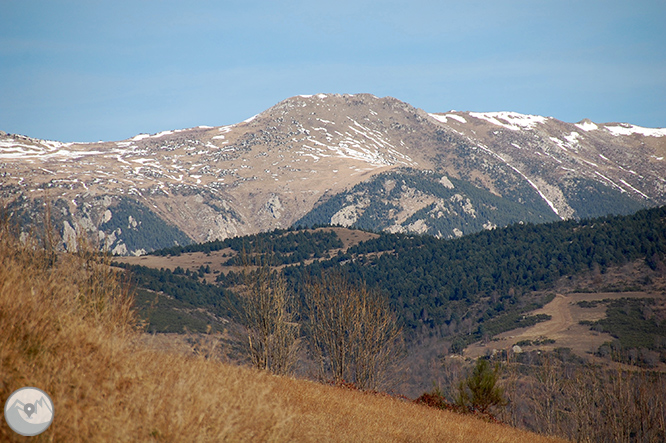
(68, 328)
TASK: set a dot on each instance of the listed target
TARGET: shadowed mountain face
(354, 160)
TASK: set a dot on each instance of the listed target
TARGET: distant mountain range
(351, 160)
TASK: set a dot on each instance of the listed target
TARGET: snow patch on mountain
(359, 143)
(626, 129)
(634, 189)
(321, 96)
(26, 147)
(457, 117)
(587, 126)
(572, 138)
(444, 118)
(510, 120)
(439, 118)
(18, 151)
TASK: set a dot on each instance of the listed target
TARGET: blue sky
(107, 70)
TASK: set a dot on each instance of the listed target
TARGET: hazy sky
(107, 70)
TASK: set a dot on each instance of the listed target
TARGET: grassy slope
(66, 329)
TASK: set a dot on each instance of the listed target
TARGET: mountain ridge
(275, 168)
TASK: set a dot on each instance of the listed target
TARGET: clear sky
(91, 70)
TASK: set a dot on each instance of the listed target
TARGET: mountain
(352, 160)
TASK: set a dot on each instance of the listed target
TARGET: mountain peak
(276, 167)
(587, 125)
(336, 100)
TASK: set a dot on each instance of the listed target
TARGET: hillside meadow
(69, 328)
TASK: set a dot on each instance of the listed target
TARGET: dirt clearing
(564, 327)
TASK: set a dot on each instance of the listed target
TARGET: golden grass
(67, 329)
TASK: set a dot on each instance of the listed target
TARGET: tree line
(279, 246)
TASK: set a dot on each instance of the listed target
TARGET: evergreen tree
(479, 391)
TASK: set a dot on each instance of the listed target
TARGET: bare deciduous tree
(272, 332)
(353, 333)
(587, 402)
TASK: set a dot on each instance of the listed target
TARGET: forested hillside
(409, 200)
(279, 246)
(465, 288)
(426, 273)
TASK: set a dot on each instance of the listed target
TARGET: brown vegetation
(68, 328)
(559, 394)
(268, 315)
(585, 402)
(354, 335)
(564, 330)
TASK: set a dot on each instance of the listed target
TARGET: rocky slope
(354, 160)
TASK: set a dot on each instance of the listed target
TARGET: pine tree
(479, 391)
